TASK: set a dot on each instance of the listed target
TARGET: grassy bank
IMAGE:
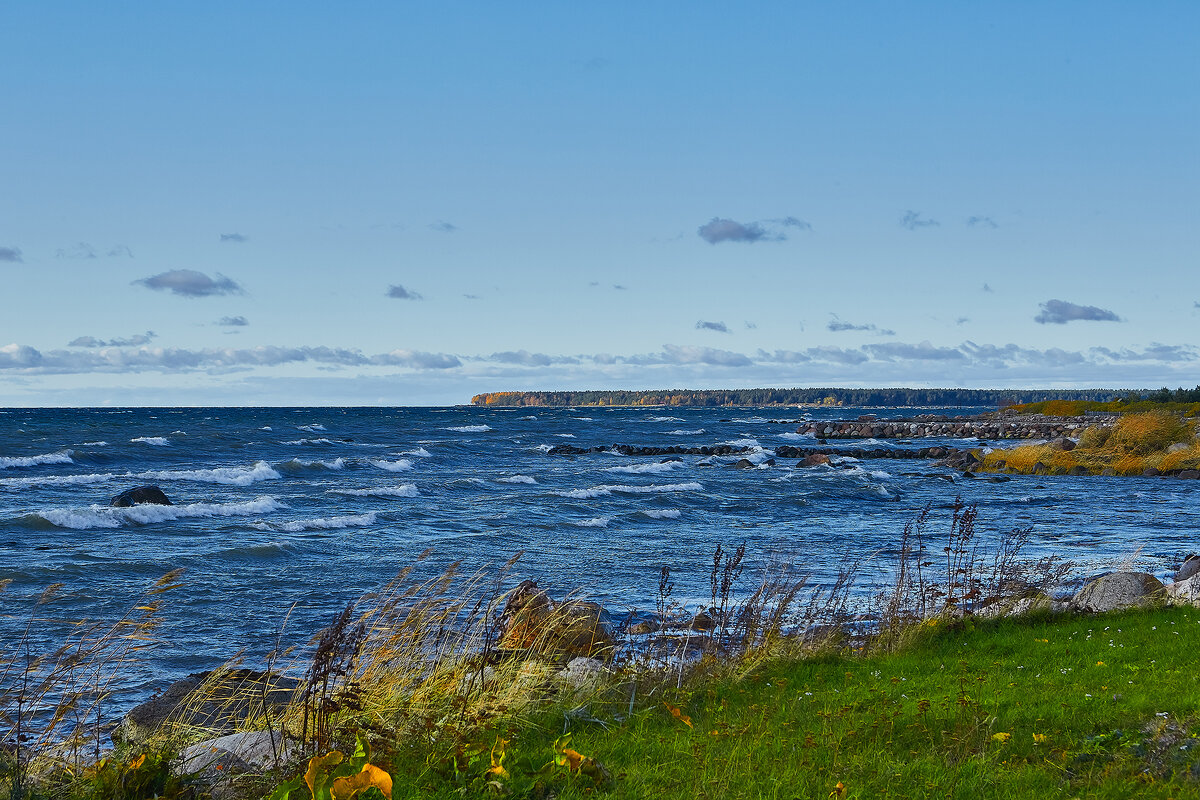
(1155, 440)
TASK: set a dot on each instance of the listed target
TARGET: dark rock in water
(1040, 469)
(702, 622)
(1079, 469)
(1150, 472)
(744, 463)
(814, 460)
(141, 495)
(1189, 474)
(1062, 443)
(968, 474)
(999, 479)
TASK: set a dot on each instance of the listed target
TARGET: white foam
(311, 441)
(642, 469)
(403, 490)
(795, 436)
(265, 428)
(153, 441)
(545, 448)
(316, 426)
(565, 435)
(58, 480)
(531, 417)
(666, 513)
(95, 444)
(604, 491)
(108, 517)
(664, 419)
(420, 452)
(594, 522)
(61, 457)
(583, 419)
(402, 465)
(230, 476)
(516, 479)
(743, 443)
(470, 429)
(336, 464)
(696, 432)
(320, 523)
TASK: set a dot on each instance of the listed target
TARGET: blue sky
(402, 203)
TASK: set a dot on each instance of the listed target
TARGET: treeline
(998, 398)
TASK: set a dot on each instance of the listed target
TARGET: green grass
(1081, 700)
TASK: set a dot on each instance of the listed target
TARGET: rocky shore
(785, 451)
(990, 427)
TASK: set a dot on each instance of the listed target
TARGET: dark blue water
(311, 507)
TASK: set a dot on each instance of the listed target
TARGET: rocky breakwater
(989, 427)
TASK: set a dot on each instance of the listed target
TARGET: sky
(402, 203)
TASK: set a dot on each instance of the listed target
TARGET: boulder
(1185, 592)
(814, 460)
(533, 622)
(140, 495)
(1062, 443)
(581, 671)
(256, 750)
(1189, 567)
(1150, 472)
(1189, 474)
(219, 701)
(1118, 590)
(702, 622)
(744, 463)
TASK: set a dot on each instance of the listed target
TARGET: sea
(283, 516)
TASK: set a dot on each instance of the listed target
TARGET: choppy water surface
(314, 506)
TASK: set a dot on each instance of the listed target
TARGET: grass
(1096, 707)
(1159, 440)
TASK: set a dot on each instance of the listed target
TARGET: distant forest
(998, 398)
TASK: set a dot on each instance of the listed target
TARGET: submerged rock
(141, 495)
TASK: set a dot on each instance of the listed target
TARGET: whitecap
(299, 463)
(470, 429)
(641, 469)
(583, 419)
(95, 444)
(316, 426)
(666, 513)
(311, 441)
(516, 479)
(265, 428)
(743, 443)
(61, 457)
(231, 476)
(545, 448)
(530, 418)
(795, 436)
(402, 465)
(565, 435)
(108, 517)
(58, 480)
(696, 432)
(403, 490)
(420, 452)
(664, 419)
(154, 441)
(604, 491)
(594, 522)
(321, 523)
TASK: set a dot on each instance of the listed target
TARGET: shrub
(1151, 432)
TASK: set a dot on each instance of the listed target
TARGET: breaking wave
(108, 517)
(516, 479)
(61, 457)
(656, 468)
(470, 429)
(403, 490)
(320, 523)
(402, 465)
(604, 491)
(230, 476)
(154, 441)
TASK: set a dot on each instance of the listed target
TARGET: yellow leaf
(839, 790)
(678, 714)
(497, 767)
(137, 762)
(371, 775)
(1039, 738)
(1001, 737)
(565, 756)
(318, 766)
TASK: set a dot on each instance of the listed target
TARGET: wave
(59, 480)
(153, 441)
(470, 429)
(61, 457)
(403, 465)
(696, 432)
(666, 513)
(604, 491)
(95, 444)
(108, 517)
(403, 490)
(420, 452)
(299, 464)
(656, 468)
(310, 441)
(664, 419)
(316, 426)
(565, 435)
(794, 436)
(545, 448)
(320, 523)
(516, 479)
(594, 522)
(230, 476)
(529, 418)
(743, 443)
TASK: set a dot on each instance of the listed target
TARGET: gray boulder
(1118, 590)
(1189, 567)
(1185, 592)
(257, 750)
(215, 701)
